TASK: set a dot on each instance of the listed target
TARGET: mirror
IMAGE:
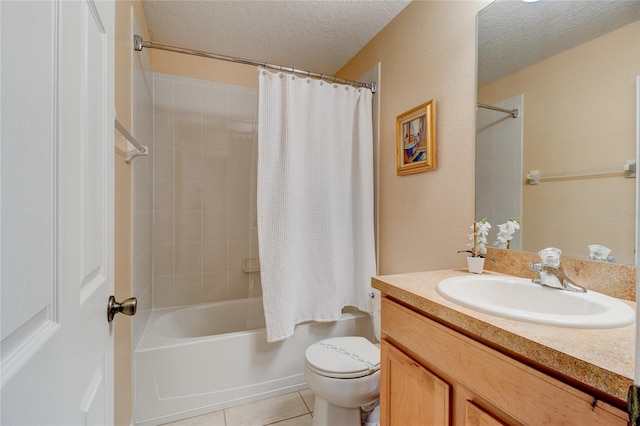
(570, 69)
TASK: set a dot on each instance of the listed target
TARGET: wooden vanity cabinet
(432, 375)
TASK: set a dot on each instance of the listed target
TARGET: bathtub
(198, 359)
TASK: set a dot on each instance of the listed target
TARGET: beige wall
(203, 68)
(578, 115)
(427, 52)
(123, 207)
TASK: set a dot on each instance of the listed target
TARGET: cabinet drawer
(519, 391)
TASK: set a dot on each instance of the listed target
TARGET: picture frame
(416, 139)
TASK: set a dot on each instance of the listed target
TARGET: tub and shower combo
(203, 358)
(192, 356)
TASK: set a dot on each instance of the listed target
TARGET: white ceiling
(314, 35)
(513, 34)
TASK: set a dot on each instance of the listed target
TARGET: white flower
(506, 231)
(483, 231)
(478, 239)
(482, 249)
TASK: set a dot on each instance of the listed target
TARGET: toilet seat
(343, 357)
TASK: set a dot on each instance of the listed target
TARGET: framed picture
(416, 139)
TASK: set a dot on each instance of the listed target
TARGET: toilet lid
(343, 357)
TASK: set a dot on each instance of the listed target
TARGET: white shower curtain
(315, 200)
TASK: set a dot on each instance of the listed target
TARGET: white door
(56, 218)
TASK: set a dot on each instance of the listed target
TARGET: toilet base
(326, 414)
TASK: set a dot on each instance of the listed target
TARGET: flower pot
(475, 264)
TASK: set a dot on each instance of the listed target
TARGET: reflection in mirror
(570, 69)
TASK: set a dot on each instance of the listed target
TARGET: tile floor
(293, 409)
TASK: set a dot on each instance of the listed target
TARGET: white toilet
(344, 375)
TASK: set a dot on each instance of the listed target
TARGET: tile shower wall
(499, 173)
(205, 137)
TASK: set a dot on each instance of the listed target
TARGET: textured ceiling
(319, 36)
(514, 34)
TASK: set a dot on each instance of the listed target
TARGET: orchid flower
(506, 231)
(483, 228)
(478, 238)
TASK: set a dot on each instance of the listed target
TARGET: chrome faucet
(551, 272)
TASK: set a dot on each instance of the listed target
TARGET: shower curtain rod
(513, 112)
(139, 43)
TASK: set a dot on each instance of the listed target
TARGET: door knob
(127, 307)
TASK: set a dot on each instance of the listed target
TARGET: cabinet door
(477, 416)
(410, 395)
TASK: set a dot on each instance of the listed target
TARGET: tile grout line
(305, 404)
(284, 420)
(225, 422)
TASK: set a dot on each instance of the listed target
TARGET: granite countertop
(600, 359)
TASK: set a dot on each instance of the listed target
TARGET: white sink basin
(520, 299)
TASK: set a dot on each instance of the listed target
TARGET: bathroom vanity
(444, 364)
